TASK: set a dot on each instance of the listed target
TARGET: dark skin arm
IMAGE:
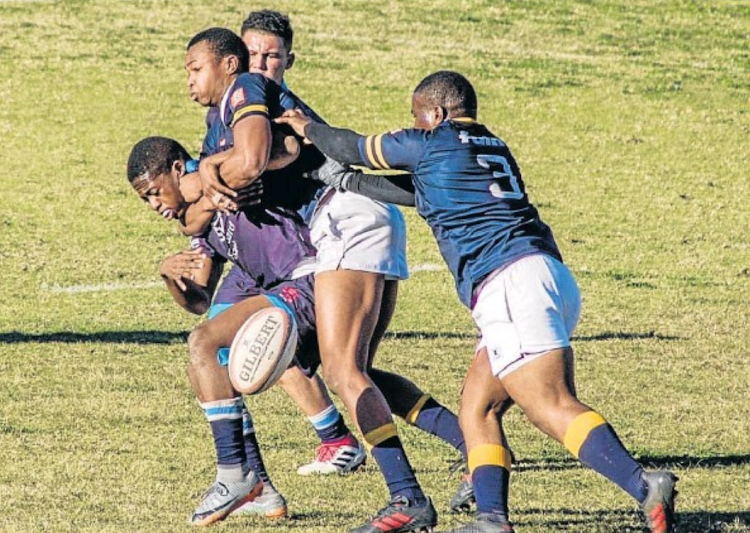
(191, 278)
(284, 151)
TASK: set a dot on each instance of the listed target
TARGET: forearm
(195, 299)
(396, 189)
(197, 217)
(337, 143)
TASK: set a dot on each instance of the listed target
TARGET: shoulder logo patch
(237, 97)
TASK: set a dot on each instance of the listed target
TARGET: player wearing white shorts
(509, 271)
(361, 257)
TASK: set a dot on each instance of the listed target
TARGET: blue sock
(225, 418)
(388, 452)
(428, 415)
(252, 449)
(490, 465)
(594, 442)
(329, 424)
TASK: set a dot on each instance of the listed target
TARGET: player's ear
(290, 57)
(178, 168)
(232, 64)
(438, 115)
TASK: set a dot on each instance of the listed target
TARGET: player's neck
(190, 187)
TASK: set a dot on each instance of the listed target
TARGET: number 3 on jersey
(506, 187)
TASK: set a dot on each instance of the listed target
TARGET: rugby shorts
(296, 297)
(524, 310)
(352, 232)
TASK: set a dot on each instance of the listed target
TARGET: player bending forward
(509, 272)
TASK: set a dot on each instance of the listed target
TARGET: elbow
(250, 171)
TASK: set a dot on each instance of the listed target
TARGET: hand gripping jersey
(469, 190)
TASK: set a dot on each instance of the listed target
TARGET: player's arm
(191, 277)
(225, 174)
(394, 189)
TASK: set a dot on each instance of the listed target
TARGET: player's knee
(201, 345)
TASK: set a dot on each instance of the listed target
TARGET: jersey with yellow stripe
(250, 94)
(470, 191)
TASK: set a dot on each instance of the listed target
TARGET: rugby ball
(262, 350)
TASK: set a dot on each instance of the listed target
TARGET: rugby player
(361, 254)
(273, 266)
(509, 272)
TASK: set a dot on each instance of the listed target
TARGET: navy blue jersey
(285, 187)
(469, 190)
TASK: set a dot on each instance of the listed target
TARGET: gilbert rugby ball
(262, 350)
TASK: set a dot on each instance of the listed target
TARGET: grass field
(631, 123)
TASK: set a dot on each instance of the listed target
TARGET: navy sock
(490, 465)
(428, 415)
(252, 449)
(590, 438)
(388, 452)
(225, 418)
(329, 424)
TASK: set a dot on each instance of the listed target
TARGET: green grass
(631, 123)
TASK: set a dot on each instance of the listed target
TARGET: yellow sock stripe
(489, 454)
(411, 416)
(381, 434)
(579, 429)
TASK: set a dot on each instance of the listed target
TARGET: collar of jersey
(225, 99)
(465, 120)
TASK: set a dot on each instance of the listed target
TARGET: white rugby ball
(262, 350)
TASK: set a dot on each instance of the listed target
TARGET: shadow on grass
(170, 337)
(114, 337)
(650, 462)
(629, 521)
(623, 335)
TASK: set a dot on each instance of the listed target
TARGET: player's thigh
(347, 306)
(221, 329)
(528, 309)
(482, 392)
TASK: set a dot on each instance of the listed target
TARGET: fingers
(223, 203)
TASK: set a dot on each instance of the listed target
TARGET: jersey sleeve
(401, 149)
(251, 95)
(200, 243)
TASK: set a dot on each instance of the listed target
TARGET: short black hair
(451, 91)
(273, 22)
(153, 156)
(223, 43)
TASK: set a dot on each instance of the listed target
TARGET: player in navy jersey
(508, 270)
(361, 254)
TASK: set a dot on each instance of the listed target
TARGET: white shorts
(352, 232)
(525, 310)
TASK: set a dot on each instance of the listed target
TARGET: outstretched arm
(394, 189)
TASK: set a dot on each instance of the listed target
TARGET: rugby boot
(269, 503)
(222, 498)
(464, 497)
(338, 457)
(658, 507)
(486, 523)
(401, 516)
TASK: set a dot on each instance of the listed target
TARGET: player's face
(162, 194)
(207, 75)
(268, 55)
(426, 116)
